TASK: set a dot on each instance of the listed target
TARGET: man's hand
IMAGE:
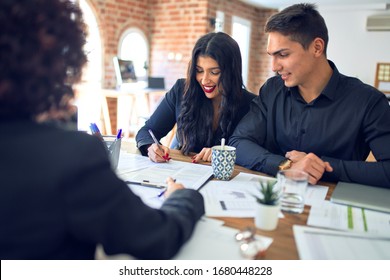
(310, 163)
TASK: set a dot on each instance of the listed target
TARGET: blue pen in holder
(113, 145)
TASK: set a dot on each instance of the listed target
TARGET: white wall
(354, 50)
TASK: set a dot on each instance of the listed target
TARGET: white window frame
(141, 75)
(243, 39)
(219, 21)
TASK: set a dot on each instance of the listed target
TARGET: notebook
(363, 196)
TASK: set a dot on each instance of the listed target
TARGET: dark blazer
(167, 113)
(59, 198)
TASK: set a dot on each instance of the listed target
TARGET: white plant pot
(267, 216)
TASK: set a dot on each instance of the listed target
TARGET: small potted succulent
(268, 207)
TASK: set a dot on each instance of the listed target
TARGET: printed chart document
(343, 217)
(235, 198)
(232, 198)
(213, 241)
(314, 193)
(322, 244)
(224, 199)
(141, 169)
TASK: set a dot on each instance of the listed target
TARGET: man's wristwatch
(285, 164)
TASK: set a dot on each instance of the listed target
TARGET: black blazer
(59, 198)
(167, 113)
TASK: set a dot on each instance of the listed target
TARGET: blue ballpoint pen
(95, 131)
(118, 136)
(162, 193)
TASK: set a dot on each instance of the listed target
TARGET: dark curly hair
(197, 110)
(41, 55)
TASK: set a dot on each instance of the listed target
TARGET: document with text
(348, 218)
(191, 175)
(322, 244)
(235, 198)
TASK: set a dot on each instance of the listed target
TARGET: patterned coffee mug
(222, 161)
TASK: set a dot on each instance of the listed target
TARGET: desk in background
(130, 106)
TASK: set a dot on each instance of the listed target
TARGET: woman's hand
(158, 153)
(205, 155)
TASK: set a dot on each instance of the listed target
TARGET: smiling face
(207, 75)
(291, 61)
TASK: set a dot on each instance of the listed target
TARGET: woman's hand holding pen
(205, 155)
(158, 153)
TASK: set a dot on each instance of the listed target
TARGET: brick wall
(176, 25)
(173, 26)
(259, 62)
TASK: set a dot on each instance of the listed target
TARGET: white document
(314, 194)
(343, 217)
(243, 178)
(235, 198)
(149, 196)
(227, 199)
(131, 162)
(213, 241)
(321, 244)
(138, 168)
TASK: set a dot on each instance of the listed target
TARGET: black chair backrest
(156, 82)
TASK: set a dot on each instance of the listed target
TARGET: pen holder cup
(113, 147)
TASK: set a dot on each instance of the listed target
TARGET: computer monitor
(124, 71)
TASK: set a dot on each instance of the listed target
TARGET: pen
(162, 193)
(158, 145)
(118, 136)
(146, 183)
(95, 131)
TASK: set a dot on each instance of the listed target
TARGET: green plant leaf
(269, 192)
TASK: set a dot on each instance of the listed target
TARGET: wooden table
(283, 247)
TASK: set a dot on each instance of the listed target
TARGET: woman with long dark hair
(206, 106)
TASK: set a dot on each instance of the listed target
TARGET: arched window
(93, 71)
(133, 46)
(87, 102)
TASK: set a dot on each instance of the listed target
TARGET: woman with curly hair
(206, 106)
(59, 197)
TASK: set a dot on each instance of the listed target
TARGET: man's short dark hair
(302, 23)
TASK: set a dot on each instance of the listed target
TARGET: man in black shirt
(311, 117)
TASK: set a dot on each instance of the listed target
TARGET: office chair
(156, 82)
